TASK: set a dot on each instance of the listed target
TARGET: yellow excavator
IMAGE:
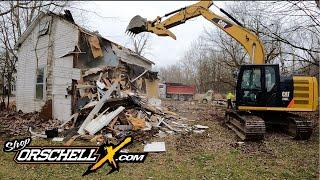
(262, 95)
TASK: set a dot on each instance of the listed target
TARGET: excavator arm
(245, 37)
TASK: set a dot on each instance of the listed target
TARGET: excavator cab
(258, 86)
(261, 88)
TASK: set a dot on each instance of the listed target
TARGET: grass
(211, 155)
(290, 160)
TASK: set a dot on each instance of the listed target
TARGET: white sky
(164, 50)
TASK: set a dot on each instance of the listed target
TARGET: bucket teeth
(130, 33)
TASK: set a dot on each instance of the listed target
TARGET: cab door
(272, 96)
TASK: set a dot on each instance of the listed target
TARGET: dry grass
(211, 155)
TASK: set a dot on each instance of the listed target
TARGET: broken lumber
(75, 115)
(71, 140)
(97, 108)
(133, 80)
(97, 124)
(137, 123)
(37, 134)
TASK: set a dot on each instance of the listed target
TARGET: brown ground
(214, 154)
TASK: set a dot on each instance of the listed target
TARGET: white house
(52, 53)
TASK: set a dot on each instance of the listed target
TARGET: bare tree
(289, 31)
(202, 67)
(171, 73)
(141, 43)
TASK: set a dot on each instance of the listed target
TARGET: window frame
(43, 83)
(252, 81)
(272, 78)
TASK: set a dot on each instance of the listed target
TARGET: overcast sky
(114, 17)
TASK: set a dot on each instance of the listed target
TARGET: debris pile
(18, 123)
(110, 108)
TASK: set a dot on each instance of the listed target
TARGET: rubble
(57, 139)
(102, 120)
(109, 109)
(155, 147)
(17, 123)
(200, 126)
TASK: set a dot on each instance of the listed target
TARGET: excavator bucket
(137, 25)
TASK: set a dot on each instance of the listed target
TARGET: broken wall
(87, 60)
(152, 88)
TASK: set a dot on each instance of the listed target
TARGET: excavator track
(247, 127)
(252, 126)
(298, 127)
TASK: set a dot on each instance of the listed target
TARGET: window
(40, 83)
(270, 78)
(251, 79)
(13, 87)
(43, 27)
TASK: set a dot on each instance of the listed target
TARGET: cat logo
(285, 95)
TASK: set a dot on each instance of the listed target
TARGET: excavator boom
(246, 38)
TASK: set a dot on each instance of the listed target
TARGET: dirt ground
(213, 154)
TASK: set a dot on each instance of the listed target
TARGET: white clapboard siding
(97, 124)
(66, 72)
(66, 38)
(26, 70)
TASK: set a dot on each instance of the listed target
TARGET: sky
(111, 18)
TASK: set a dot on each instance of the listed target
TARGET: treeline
(290, 32)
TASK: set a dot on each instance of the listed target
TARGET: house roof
(122, 51)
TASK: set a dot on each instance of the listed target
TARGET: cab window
(270, 78)
(251, 79)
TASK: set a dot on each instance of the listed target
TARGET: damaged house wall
(53, 56)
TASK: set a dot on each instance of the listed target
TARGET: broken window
(44, 27)
(40, 83)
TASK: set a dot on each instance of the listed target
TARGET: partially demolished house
(59, 62)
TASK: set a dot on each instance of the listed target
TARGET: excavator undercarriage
(252, 126)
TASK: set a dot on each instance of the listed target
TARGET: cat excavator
(262, 95)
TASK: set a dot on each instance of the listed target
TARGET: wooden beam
(97, 108)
